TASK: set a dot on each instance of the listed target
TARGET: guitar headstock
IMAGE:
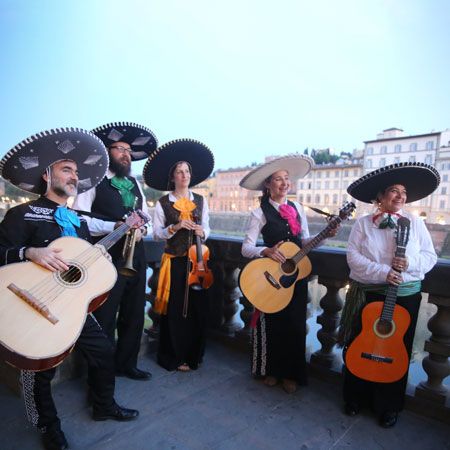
(402, 231)
(346, 210)
(137, 219)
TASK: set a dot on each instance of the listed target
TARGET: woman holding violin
(279, 338)
(181, 219)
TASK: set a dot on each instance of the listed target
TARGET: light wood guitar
(378, 353)
(42, 313)
(268, 284)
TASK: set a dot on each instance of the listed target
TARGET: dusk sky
(247, 78)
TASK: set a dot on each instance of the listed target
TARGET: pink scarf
(290, 214)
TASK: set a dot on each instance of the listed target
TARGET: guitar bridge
(272, 280)
(377, 358)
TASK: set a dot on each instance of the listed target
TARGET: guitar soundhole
(384, 327)
(72, 277)
(288, 266)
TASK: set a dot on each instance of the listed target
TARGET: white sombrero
(297, 166)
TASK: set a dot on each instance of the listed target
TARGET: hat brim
(198, 155)
(298, 166)
(141, 139)
(25, 164)
(419, 179)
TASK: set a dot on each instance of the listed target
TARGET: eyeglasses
(122, 149)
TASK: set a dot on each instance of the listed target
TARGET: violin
(200, 276)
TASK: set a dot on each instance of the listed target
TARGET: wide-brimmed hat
(419, 179)
(25, 164)
(198, 155)
(141, 140)
(297, 166)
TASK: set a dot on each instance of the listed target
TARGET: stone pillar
(436, 364)
(152, 283)
(231, 295)
(332, 304)
(246, 315)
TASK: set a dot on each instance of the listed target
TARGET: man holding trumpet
(105, 206)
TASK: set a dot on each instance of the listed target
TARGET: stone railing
(230, 314)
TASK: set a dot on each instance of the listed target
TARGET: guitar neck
(391, 295)
(113, 237)
(316, 240)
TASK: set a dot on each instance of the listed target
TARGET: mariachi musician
(55, 164)
(118, 194)
(279, 338)
(374, 267)
(180, 216)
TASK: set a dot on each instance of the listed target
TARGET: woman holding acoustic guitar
(389, 253)
(279, 337)
(181, 218)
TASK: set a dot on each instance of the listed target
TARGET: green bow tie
(387, 222)
(125, 187)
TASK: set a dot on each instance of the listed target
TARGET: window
(370, 150)
(345, 173)
(443, 190)
(444, 177)
(429, 159)
(319, 175)
(308, 198)
(429, 145)
(335, 199)
(413, 146)
(300, 185)
(412, 158)
(326, 200)
(327, 185)
(317, 199)
(327, 174)
(309, 184)
(336, 184)
(336, 174)
(442, 204)
(398, 148)
(383, 149)
(382, 162)
(300, 198)
(355, 172)
(318, 185)
(344, 198)
(369, 163)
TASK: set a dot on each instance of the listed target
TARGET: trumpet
(128, 253)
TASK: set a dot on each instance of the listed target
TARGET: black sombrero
(141, 140)
(25, 164)
(419, 179)
(297, 166)
(198, 155)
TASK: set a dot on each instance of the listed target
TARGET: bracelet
(171, 229)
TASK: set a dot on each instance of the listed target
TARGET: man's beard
(119, 169)
(64, 190)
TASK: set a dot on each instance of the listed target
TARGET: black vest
(277, 229)
(108, 202)
(178, 244)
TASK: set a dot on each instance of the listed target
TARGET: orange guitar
(42, 313)
(378, 353)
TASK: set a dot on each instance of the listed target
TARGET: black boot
(54, 439)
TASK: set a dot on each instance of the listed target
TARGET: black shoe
(135, 374)
(54, 440)
(351, 408)
(388, 419)
(116, 413)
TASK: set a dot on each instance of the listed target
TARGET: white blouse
(161, 229)
(371, 249)
(258, 220)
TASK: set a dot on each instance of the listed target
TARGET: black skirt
(182, 340)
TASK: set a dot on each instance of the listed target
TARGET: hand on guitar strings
(189, 225)
(47, 257)
(395, 278)
(274, 253)
(400, 264)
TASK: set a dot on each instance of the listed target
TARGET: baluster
(246, 316)
(152, 283)
(436, 364)
(231, 297)
(331, 303)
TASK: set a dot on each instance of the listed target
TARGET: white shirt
(160, 227)
(258, 220)
(371, 249)
(98, 227)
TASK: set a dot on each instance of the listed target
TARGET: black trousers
(125, 309)
(384, 397)
(98, 351)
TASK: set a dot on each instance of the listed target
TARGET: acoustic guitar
(378, 353)
(42, 313)
(268, 284)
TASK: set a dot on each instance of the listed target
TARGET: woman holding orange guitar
(180, 218)
(380, 265)
(279, 338)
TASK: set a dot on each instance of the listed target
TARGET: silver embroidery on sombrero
(66, 146)
(91, 160)
(29, 162)
(141, 140)
(115, 135)
(26, 186)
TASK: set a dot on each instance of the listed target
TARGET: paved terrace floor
(218, 407)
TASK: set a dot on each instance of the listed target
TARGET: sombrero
(198, 155)
(419, 179)
(141, 140)
(297, 166)
(25, 164)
